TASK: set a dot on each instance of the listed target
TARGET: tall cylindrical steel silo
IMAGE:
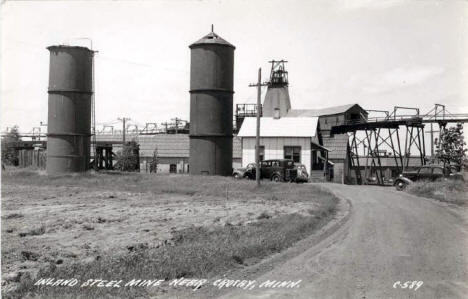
(211, 118)
(69, 110)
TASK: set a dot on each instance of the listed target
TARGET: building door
(173, 168)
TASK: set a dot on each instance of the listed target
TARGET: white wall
(274, 148)
(164, 167)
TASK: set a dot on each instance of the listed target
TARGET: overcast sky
(375, 53)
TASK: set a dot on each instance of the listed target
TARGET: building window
(266, 163)
(172, 168)
(293, 153)
(425, 170)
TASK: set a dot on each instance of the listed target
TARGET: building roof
(338, 145)
(282, 127)
(167, 145)
(211, 38)
(321, 112)
(66, 47)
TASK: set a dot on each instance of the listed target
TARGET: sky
(378, 54)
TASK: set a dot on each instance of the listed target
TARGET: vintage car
(243, 172)
(277, 170)
(428, 173)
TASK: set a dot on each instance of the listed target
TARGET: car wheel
(276, 178)
(400, 185)
(236, 176)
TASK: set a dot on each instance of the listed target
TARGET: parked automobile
(277, 170)
(429, 172)
(302, 175)
(244, 172)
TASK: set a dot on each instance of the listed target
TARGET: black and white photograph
(234, 149)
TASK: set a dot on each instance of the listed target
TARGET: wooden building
(171, 150)
(337, 145)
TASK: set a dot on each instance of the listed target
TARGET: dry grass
(34, 231)
(14, 215)
(200, 251)
(197, 252)
(161, 184)
(451, 191)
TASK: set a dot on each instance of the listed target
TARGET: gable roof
(283, 127)
(322, 112)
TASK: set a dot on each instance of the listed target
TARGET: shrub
(128, 159)
(450, 191)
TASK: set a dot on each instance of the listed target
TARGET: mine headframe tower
(278, 78)
(278, 74)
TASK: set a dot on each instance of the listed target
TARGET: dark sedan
(428, 173)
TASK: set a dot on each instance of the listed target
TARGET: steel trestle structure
(377, 138)
(378, 142)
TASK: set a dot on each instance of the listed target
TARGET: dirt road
(390, 236)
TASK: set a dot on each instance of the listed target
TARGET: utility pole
(41, 125)
(257, 136)
(176, 120)
(432, 131)
(432, 141)
(124, 128)
(165, 124)
(36, 131)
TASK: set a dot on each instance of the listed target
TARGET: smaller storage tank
(69, 109)
(211, 92)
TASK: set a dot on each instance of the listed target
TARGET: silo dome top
(212, 38)
(66, 47)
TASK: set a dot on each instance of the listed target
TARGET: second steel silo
(69, 109)
(211, 118)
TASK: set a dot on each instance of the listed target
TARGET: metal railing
(462, 117)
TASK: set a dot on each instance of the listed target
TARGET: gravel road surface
(390, 237)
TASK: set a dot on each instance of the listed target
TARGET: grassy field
(127, 226)
(450, 191)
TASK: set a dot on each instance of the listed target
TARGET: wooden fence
(32, 158)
